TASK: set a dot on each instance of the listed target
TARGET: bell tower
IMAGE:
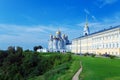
(86, 27)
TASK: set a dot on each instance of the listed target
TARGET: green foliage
(19, 50)
(11, 49)
(27, 50)
(37, 47)
(112, 56)
(57, 70)
(73, 68)
(86, 54)
(3, 54)
(19, 65)
(93, 55)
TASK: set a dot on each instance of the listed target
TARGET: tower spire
(86, 21)
(86, 28)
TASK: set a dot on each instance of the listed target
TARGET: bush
(106, 55)
(57, 70)
(112, 56)
(86, 54)
(93, 55)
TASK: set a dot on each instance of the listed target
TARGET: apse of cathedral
(58, 42)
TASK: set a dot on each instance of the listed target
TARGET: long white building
(106, 41)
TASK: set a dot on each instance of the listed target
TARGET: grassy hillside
(93, 69)
(62, 72)
(74, 66)
(19, 65)
(100, 68)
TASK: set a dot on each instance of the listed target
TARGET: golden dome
(63, 35)
(58, 32)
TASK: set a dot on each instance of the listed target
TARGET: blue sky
(28, 23)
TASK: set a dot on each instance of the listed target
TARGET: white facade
(42, 50)
(101, 42)
(58, 43)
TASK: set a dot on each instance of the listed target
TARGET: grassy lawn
(93, 69)
(99, 68)
(60, 72)
(75, 65)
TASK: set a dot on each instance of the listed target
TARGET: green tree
(11, 49)
(37, 47)
(19, 50)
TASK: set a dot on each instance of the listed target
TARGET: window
(112, 36)
(109, 45)
(113, 46)
(103, 45)
(106, 37)
(117, 45)
(117, 35)
(106, 45)
(112, 53)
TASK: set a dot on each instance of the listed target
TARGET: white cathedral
(58, 42)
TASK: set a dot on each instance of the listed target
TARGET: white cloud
(86, 11)
(93, 17)
(90, 14)
(113, 21)
(29, 36)
(17, 35)
(102, 3)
